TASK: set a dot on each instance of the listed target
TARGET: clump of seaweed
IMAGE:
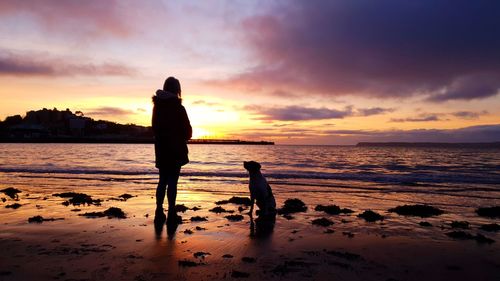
(40, 219)
(322, 222)
(345, 255)
(293, 206)
(13, 206)
(181, 208)
(333, 209)
(201, 254)
(248, 259)
(492, 227)
(423, 211)
(126, 196)
(462, 235)
(219, 210)
(198, 218)
(188, 263)
(234, 217)
(425, 224)
(492, 212)
(236, 200)
(239, 274)
(459, 224)
(11, 192)
(371, 216)
(78, 199)
(112, 212)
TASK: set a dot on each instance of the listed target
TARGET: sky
(293, 72)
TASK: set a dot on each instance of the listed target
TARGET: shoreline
(129, 141)
(80, 248)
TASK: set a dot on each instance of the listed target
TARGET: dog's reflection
(263, 226)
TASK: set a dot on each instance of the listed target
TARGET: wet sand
(74, 247)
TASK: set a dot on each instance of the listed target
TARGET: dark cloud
(423, 117)
(297, 113)
(300, 113)
(469, 114)
(43, 65)
(439, 49)
(108, 111)
(374, 111)
(483, 133)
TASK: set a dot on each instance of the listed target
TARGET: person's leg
(172, 179)
(160, 189)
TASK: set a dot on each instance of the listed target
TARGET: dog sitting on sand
(260, 191)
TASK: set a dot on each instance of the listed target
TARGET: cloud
(45, 65)
(423, 117)
(108, 111)
(437, 49)
(482, 133)
(202, 102)
(300, 113)
(469, 115)
(374, 111)
(428, 117)
(93, 18)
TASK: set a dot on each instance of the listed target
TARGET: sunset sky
(295, 72)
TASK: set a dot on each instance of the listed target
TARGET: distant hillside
(46, 124)
(53, 125)
(429, 144)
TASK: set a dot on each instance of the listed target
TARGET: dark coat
(172, 130)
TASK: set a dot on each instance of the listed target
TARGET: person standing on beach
(172, 130)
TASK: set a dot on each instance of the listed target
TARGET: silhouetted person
(172, 130)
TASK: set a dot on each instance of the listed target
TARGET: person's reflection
(263, 226)
(173, 220)
(159, 222)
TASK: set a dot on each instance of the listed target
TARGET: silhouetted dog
(260, 191)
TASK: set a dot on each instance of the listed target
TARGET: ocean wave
(410, 179)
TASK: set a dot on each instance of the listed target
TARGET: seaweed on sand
(322, 222)
(459, 224)
(462, 235)
(219, 210)
(493, 227)
(11, 192)
(418, 210)
(198, 218)
(425, 224)
(292, 206)
(201, 254)
(370, 216)
(234, 217)
(239, 274)
(40, 219)
(333, 209)
(492, 212)
(112, 212)
(181, 208)
(188, 263)
(78, 199)
(13, 206)
(236, 200)
(126, 196)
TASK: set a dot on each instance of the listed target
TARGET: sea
(456, 179)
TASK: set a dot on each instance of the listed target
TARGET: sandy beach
(75, 247)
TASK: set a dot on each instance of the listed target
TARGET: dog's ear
(257, 165)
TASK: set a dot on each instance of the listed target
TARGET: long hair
(172, 85)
